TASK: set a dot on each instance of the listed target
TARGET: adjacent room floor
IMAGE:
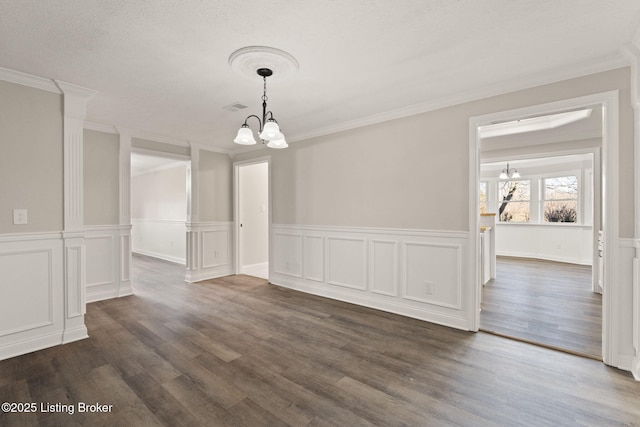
(545, 302)
(237, 351)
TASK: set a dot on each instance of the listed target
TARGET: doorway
(252, 217)
(159, 205)
(608, 220)
(545, 290)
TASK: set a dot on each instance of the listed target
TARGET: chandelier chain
(264, 96)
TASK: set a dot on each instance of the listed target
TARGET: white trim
(100, 127)
(236, 206)
(164, 154)
(199, 248)
(21, 237)
(632, 51)
(362, 268)
(29, 80)
(609, 101)
(75, 100)
(193, 186)
(113, 258)
(31, 344)
(439, 258)
(256, 270)
(176, 260)
(163, 221)
(375, 230)
(36, 330)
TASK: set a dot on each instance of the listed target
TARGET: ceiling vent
(234, 107)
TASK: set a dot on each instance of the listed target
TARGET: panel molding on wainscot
(108, 251)
(415, 273)
(209, 250)
(32, 313)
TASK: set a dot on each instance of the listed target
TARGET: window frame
(578, 199)
(529, 201)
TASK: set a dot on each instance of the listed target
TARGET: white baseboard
(258, 270)
(29, 345)
(75, 334)
(158, 255)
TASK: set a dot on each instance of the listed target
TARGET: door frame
(610, 203)
(236, 207)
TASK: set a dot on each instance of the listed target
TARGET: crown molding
(75, 99)
(608, 63)
(200, 146)
(29, 80)
(100, 127)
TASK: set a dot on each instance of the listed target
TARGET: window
(561, 199)
(514, 203)
(483, 197)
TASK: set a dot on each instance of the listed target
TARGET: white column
(193, 208)
(75, 102)
(124, 263)
(633, 52)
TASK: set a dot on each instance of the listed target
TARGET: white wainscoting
(554, 242)
(209, 250)
(108, 251)
(32, 302)
(622, 327)
(414, 273)
(160, 238)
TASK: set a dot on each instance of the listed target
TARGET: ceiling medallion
(247, 60)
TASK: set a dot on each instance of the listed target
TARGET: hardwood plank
(544, 302)
(238, 351)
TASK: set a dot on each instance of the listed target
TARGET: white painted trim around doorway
(236, 208)
(611, 318)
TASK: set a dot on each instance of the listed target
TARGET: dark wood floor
(545, 302)
(238, 351)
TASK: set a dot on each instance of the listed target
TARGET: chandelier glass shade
(509, 173)
(269, 130)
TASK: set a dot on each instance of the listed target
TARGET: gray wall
(101, 152)
(31, 153)
(414, 172)
(160, 194)
(216, 197)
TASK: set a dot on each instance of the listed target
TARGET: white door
(253, 219)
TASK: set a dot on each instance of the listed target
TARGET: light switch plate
(20, 217)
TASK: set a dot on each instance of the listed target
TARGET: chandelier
(509, 173)
(268, 131)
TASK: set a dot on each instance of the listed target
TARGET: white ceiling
(162, 67)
